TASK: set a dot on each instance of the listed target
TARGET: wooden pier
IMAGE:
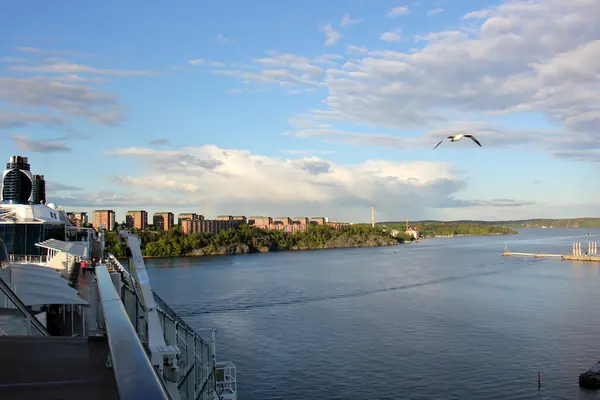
(591, 255)
(536, 255)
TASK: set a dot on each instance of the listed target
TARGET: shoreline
(327, 248)
(464, 234)
(276, 251)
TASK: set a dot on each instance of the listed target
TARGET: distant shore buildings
(196, 223)
(413, 232)
(163, 220)
(104, 218)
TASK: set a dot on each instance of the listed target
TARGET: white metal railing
(30, 259)
(226, 384)
(196, 361)
(200, 376)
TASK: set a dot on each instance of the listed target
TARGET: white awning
(74, 248)
(37, 285)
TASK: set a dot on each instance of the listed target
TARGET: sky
(307, 108)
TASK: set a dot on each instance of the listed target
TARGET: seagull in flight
(456, 138)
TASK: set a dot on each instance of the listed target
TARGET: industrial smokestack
(373, 216)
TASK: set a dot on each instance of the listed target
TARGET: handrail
(135, 376)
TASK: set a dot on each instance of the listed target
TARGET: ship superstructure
(72, 330)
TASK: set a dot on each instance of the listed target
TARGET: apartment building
(104, 218)
(187, 226)
(317, 220)
(260, 221)
(136, 219)
(163, 220)
(190, 222)
(215, 225)
(338, 225)
(239, 220)
(78, 218)
(288, 228)
(300, 221)
(282, 221)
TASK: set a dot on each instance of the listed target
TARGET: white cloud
(282, 69)
(11, 60)
(229, 180)
(357, 49)
(61, 94)
(74, 78)
(36, 50)
(307, 152)
(532, 56)
(65, 68)
(107, 198)
(524, 56)
(391, 37)
(10, 119)
(346, 20)
(490, 134)
(23, 142)
(331, 35)
(434, 11)
(59, 187)
(201, 62)
(399, 11)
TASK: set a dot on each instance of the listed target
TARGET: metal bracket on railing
(171, 370)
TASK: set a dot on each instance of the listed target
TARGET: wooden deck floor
(54, 368)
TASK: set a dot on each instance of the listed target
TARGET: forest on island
(248, 239)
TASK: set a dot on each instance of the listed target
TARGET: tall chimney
(373, 216)
(38, 192)
(16, 181)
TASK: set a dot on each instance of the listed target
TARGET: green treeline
(522, 223)
(432, 229)
(247, 239)
(555, 223)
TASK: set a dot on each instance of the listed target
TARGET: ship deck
(55, 368)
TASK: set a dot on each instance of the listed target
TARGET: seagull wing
(473, 139)
(440, 143)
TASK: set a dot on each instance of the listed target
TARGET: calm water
(440, 319)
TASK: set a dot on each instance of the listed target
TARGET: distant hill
(522, 223)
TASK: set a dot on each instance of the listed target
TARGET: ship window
(21, 238)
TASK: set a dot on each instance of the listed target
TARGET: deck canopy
(77, 249)
(37, 285)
